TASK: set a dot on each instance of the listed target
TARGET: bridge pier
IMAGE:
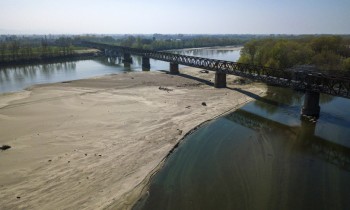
(127, 58)
(220, 80)
(146, 66)
(311, 105)
(174, 68)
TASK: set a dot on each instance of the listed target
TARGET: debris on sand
(165, 89)
(204, 104)
(5, 147)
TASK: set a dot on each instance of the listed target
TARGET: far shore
(94, 143)
(89, 54)
(233, 47)
(78, 55)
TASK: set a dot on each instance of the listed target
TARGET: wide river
(262, 156)
(17, 78)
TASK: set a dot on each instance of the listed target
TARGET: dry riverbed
(91, 144)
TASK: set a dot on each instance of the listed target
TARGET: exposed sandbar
(86, 144)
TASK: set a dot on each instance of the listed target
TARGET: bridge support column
(311, 104)
(174, 68)
(146, 66)
(127, 58)
(220, 80)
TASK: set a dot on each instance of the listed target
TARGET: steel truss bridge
(299, 80)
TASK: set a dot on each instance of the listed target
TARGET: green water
(263, 156)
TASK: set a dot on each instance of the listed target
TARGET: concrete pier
(174, 68)
(127, 58)
(220, 80)
(311, 105)
(146, 66)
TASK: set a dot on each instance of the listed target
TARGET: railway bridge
(312, 83)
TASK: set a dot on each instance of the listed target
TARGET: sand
(93, 143)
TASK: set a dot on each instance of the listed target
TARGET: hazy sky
(175, 16)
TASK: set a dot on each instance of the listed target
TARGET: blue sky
(175, 16)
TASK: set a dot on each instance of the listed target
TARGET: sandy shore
(91, 144)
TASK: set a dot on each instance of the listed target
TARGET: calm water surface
(17, 78)
(261, 156)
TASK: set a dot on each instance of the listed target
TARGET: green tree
(326, 43)
(327, 60)
(346, 64)
(14, 49)
(3, 48)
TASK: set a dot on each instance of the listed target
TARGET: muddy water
(262, 156)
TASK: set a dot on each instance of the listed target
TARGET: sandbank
(93, 143)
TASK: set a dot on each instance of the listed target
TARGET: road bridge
(312, 83)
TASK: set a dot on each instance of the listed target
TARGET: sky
(174, 16)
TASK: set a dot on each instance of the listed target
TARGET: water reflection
(220, 54)
(110, 61)
(262, 156)
(20, 77)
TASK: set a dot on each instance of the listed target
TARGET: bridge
(312, 83)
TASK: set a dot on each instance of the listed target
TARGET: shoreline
(56, 124)
(140, 192)
(229, 47)
(83, 55)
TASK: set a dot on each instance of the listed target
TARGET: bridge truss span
(299, 80)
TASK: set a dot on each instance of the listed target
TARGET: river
(262, 156)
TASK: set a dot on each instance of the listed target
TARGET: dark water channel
(262, 156)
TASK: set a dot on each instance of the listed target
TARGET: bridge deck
(310, 81)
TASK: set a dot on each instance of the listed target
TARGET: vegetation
(166, 42)
(279, 51)
(323, 52)
(16, 49)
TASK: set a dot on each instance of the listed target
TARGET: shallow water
(262, 156)
(17, 78)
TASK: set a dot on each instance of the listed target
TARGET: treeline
(324, 53)
(170, 42)
(17, 49)
(166, 44)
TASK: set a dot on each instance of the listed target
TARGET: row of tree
(322, 52)
(152, 43)
(166, 44)
(17, 49)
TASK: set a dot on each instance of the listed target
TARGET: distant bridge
(312, 83)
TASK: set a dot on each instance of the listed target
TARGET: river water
(17, 78)
(262, 156)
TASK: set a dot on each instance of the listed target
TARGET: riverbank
(87, 144)
(77, 55)
(219, 48)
